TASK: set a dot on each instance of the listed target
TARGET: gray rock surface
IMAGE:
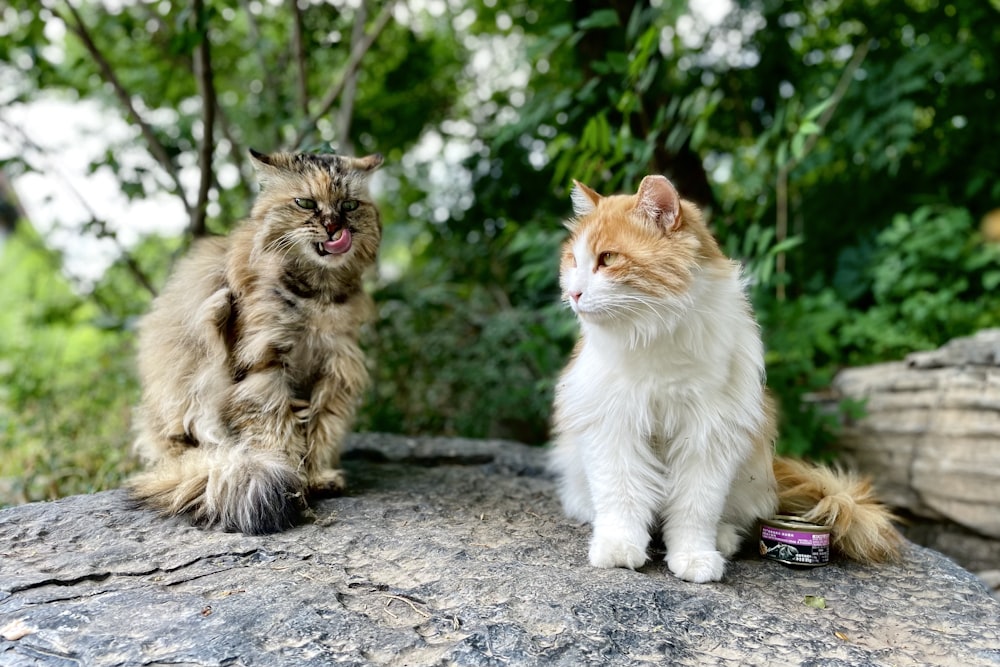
(446, 552)
(931, 440)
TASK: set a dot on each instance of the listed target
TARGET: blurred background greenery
(844, 150)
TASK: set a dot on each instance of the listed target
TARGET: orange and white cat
(662, 420)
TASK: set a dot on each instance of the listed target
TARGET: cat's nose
(332, 226)
(575, 295)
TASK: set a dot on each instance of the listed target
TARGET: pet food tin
(790, 540)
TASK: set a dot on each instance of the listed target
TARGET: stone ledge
(446, 552)
(930, 438)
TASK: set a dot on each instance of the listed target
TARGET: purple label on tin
(795, 537)
(794, 547)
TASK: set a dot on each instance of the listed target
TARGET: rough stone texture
(447, 552)
(931, 440)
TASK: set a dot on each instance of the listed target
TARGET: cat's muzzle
(338, 243)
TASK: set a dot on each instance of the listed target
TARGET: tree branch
(223, 123)
(103, 231)
(299, 54)
(237, 153)
(267, 70)
(206, 87)
(156, 148)
(342, 126)
(838, 95)
(781, 184)
(358, 51)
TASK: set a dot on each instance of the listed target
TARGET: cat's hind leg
(574, 490)
(259, 487)
(218, 470)
(752, 496)
(729, 539)
(234, 488)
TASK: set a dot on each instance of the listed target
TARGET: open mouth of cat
(338, 243)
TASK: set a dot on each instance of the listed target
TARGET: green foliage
(927, 278)
(63, 379)
(404, 84)
(463, 359)
(932, 277)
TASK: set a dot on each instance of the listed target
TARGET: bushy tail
(238, 489)
(861, 525)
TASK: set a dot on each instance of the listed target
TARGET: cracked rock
(446, 552)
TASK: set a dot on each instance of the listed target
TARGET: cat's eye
(607, 259)
(308, 204)
(349, 205)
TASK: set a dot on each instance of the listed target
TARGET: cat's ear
(584, 199)
(263, 162)
(367, 163)
(266, 165)
(659, 203)
(260, 158)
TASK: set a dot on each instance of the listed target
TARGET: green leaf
(617, 61)
(814, 113)
(560, 31)
(634, 23)
(549, 43)
(815, 601)
(648, 76)
(786, 245)
(782, 156)
(604, 134)
(603, 18)
(798, 145)
(808, 127)
(698, 135)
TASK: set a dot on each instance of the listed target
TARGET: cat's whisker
(282, 245)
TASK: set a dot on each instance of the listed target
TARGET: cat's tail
(861, 526)
(238, 489)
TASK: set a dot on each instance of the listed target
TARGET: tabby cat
(661, 418)
(249, 359)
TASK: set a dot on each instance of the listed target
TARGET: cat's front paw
(697, 566)
(617, 549)
(326, 483)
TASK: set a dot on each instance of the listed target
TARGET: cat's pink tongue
(340, 243)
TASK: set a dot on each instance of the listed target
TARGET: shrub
(926, 278)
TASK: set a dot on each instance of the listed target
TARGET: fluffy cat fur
(661, 419)
(249, 358)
